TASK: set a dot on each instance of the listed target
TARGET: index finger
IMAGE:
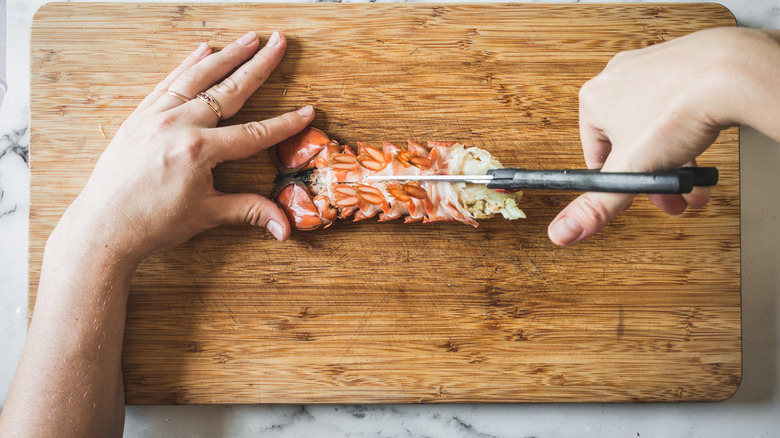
(235, 142)
(596, 145)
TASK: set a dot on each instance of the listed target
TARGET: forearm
(69, 380)
(151, 189)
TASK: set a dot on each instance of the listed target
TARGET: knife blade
(682, 180)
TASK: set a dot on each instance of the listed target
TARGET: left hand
(153, 186)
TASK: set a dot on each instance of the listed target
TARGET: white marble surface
(753, 412)
(2, 50)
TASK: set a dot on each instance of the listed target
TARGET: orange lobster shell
(317, 179)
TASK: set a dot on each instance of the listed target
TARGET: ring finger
(163, 88)
(209, 70)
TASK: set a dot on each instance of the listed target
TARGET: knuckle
(164, 122)
(162, 86)
(625, 57)
(593, 213)
(586, 91)
(188, 149)
(257, 130)
(620, 56)
(192, 146)
(589, 95)
(232, 51)
(192, 74)
(255, 214)
(263, 57)
(188, 146)
(227, 86)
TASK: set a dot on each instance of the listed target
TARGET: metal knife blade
(680, 181)
(473, 179)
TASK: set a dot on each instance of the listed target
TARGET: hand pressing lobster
(321, 180)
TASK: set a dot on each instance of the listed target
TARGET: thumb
(252, 209)
(586, 215)
(592, 211)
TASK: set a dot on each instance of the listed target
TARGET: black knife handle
(680, 181)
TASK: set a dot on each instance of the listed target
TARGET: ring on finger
(211, 102)
(182, 97)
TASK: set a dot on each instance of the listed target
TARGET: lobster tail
(297, 203)
(299, 151)
(320, 182)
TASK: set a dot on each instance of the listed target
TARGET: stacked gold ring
(179, 95)
(211, 102)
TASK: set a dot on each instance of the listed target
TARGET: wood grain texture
(648, 310)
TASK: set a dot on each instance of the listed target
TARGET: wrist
(747, 88)
(75, 243)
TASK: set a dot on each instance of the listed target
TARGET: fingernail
(305, 111)
(248, 39)
(566, 230)
(274, 40)
(275, 229)
(202, 49)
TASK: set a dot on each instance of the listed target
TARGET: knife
(682, 180)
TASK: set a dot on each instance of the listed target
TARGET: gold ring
(179, 95)
(211, 102)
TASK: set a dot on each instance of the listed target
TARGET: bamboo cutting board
(648, 310)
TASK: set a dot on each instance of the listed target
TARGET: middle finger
(233, 91)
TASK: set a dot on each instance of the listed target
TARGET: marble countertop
(751, 412)
(2, 50)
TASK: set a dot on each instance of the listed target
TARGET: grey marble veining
(753, 411)
(15, 144)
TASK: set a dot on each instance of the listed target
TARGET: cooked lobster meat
(321, 180)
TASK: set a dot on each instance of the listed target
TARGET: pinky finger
(671, 204)
(698, 198)
(700, 195)
(676, 204)
(201, 52)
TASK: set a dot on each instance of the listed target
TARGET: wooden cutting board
(648, 310)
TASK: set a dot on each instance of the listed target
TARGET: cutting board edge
(452, 401)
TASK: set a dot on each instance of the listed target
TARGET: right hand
(655, 109)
